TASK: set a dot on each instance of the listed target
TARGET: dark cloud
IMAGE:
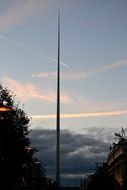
(79, 152)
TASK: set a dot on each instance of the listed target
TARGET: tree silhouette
(18, 167)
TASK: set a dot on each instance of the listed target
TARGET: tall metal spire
(58, 110)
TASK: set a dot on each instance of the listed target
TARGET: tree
(18, 167)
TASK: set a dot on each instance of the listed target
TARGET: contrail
(32, 50)
(82, 115)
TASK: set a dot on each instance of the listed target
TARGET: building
(117, 164)
(111, 175)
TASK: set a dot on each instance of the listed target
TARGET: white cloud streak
(32, 50)
(81, 75)
(45, 75)
(108, 67)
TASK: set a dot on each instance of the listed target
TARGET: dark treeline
(19, 168)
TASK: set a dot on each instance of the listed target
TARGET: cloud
(107, 68)
(28, 91)
(19, 11)
(45, 75)
(79, 152)
(82, 115)
(81, 75)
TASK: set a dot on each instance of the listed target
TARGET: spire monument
(58, 110)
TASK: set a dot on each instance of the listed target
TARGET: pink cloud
(28, 91)
(19, 11)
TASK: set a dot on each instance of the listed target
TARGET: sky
(93, 75)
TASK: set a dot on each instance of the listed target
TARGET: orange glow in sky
(81, 115)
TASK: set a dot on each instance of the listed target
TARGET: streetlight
(5, 108)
